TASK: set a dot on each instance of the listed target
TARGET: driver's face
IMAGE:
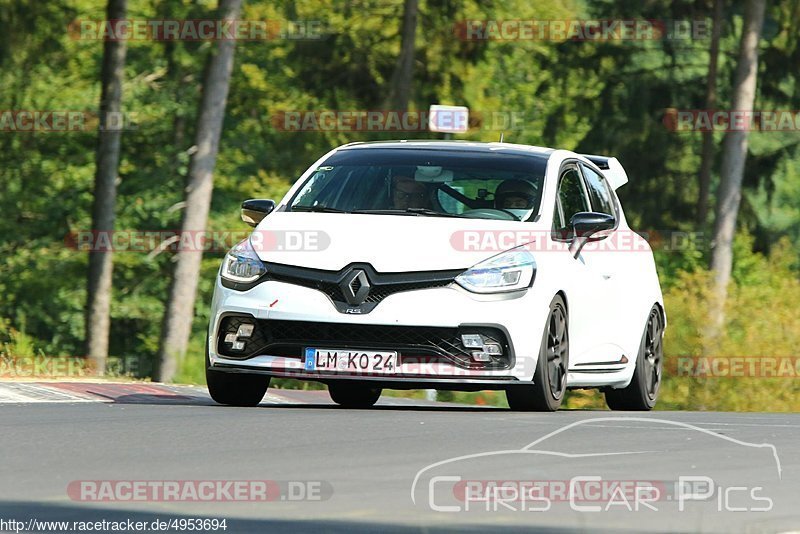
(515, 203)
(408, 193)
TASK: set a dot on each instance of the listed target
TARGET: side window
(599, 192)
(571, 200)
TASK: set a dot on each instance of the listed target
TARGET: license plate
(351, 361)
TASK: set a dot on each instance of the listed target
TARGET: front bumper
(412, 314)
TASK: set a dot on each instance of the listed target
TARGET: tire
(353, 395)
(235, 389)
(642, 393)
(550, 379)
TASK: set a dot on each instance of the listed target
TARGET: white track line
(22, 393)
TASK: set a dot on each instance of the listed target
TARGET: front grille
(423, 344)
(382, 285)
(376, 294)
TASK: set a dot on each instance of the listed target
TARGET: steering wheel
(491, 213)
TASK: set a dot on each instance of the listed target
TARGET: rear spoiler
(612, 169)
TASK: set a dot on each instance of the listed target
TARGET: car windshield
(425, 182)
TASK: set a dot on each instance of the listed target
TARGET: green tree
(179, 311)
(98, 309)
(734, 155)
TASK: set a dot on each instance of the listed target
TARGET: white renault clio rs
(442, 265)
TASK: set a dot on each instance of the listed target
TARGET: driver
(408, 193)
(515, 195)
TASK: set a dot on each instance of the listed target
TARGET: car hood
(390, 243)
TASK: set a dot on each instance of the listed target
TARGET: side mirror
(584, 225)
(255, 209)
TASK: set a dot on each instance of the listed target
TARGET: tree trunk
(734, 154)
(179, 311)
(403, 75)
(707, 158)
(98, 305)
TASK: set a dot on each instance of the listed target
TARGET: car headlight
(508, 271)
(242, 264)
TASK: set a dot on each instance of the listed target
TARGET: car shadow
(386, 408)
(317, 400)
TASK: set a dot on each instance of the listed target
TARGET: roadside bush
(761, 321)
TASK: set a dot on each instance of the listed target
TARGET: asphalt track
(403, 466)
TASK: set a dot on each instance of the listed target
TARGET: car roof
(457, 146)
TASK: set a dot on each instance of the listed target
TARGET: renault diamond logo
(355, 287)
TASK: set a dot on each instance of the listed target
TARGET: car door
(588, 288)
(608, 255)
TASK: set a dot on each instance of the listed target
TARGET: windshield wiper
(408, 211)
(318, 209)
(432, 213)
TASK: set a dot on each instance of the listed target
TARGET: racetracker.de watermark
(550, 241)
(61, 120)
(577, 489)
(581, 30)
(43, 366)
(721, 120)
(196, 30)
(735, 366)
(199, 490)
(395, 121)
(153, 241)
